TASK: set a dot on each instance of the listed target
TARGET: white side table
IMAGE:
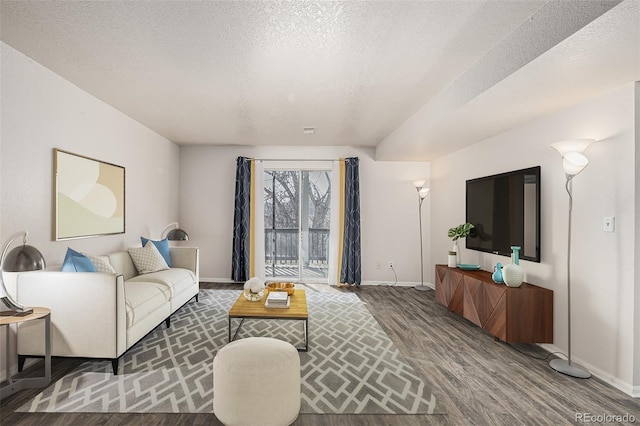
(15, 385)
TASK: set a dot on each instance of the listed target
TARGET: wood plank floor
(477, 380)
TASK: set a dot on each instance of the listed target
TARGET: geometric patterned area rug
(352, 367)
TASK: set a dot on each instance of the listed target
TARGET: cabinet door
(496, 320)
(530, 315)
(474, 301)
(484, 305)
(449, 288)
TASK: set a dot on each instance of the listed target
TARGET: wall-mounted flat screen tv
(505, 209)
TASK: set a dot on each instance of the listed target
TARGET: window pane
(268, 200)
(286, 199)
(316, 190)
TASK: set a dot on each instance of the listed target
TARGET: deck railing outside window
(281, 246)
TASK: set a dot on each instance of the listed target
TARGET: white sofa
(101, 315)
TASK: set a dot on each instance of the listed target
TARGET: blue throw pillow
(163, 248)
(77, 262)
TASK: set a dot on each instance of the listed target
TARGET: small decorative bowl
(290, 288)
(253, 297)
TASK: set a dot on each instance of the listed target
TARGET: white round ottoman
(256, 381)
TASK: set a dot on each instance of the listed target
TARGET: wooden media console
(512, 314)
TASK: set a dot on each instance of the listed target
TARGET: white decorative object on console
(513, 274)
(452, 259)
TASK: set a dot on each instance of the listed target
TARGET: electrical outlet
(379, 265)
(391, 264)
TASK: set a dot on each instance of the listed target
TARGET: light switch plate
(609, 224)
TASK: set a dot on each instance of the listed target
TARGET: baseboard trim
(364, 283)
(397, 284)
(218, 280)
(627, 388)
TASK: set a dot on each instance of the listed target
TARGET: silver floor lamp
(573, 162)
(422, 193)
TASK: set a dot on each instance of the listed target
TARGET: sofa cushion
(77, 262)
(142, 298)
(174, 280)
(163, 248)
(147, 259)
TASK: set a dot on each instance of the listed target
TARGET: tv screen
(505, 210)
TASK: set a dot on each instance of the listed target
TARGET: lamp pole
(422, 194)
(568, 187)
(561, 365)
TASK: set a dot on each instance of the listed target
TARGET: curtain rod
(297, 159)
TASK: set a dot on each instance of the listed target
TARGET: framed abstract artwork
(89, 197)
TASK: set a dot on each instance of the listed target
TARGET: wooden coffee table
(297, 310)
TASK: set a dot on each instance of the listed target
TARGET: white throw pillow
(102, 263)
(147, 259)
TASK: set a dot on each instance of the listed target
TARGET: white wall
(41, 111)
(388, 205)
(604, 275)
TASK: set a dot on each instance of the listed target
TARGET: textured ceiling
(412, 78)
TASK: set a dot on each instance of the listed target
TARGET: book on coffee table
(277, 299)
(277, 305)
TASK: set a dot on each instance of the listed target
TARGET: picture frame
(88, 195)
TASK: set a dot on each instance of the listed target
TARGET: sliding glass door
(297, 224)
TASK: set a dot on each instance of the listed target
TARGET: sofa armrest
(186, 258)
(88, 313)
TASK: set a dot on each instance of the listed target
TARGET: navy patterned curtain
(241, 221)
(350, 272)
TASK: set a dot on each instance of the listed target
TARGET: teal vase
(497, 273)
